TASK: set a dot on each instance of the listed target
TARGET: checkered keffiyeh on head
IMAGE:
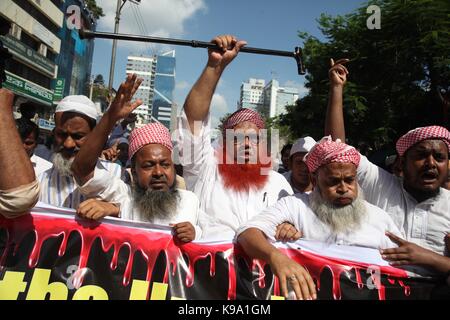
(327, 151)
(424, 133)
(152, 133)
(242, 115)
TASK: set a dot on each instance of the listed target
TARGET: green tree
(94, 8)
(395, 71)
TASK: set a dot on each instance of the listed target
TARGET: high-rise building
(252, 94)
(49, 60)
(145, 68)
(164, 87)
(276, 98)
(156, 91)
(75, 58)
(269, 100)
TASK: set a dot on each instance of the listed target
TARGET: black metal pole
(297, 54)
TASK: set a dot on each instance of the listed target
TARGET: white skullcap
(78, 104)
(302, 145)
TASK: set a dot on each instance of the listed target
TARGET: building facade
(156, 91)
(252, 94)
(34, 44)
(75, 58)
(49, 60)
(269, 100)
(145, 68)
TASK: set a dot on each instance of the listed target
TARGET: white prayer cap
(303, 145)
(78, 104)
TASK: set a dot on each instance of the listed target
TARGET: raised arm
(198, 101)
(16, 168)
(84, 164)
(334, 122)
(19, 190)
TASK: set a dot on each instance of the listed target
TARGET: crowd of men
(328, 191)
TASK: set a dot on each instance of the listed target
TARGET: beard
(155, 204)
(62, 165)
(243, 177)
(340, 219)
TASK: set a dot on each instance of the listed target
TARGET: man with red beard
(233, 180)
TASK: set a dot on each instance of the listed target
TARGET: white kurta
(225, 209)
(40, 164)
(114, 190)
(296, 210)
(62, 191)
(425, 223)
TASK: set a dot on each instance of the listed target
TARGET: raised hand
(229, 46)
(111, 154)
(338, 72)
(122, 106)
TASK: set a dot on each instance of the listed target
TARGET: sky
(264, 24)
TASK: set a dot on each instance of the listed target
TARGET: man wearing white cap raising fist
(75, 117)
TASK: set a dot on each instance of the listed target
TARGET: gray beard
(340, 219)
(155, 204)
(62, 165)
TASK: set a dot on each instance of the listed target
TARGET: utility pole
(91, 86)
(114, 46)
(120, 4)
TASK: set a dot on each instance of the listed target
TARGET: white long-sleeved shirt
(225, 209)
(296, 210)
(114, 190)
(62, 191)
(40, 164)
(425, 223)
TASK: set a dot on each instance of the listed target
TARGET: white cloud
(219, 107)
(300, 86)
(182, 85)
(159, 18)
(181, 91)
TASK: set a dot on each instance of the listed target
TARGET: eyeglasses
(240, 138)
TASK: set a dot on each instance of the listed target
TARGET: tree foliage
(396, 72)
(94, 8)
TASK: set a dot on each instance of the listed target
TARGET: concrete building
(269, 100)
(252, 94)
(158, 72)
(145, 68)
(34, 43)
(75, 58)
(49, 60)
(276, 98)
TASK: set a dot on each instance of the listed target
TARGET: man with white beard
(335, 212)
(75, 117)
(154, 196)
